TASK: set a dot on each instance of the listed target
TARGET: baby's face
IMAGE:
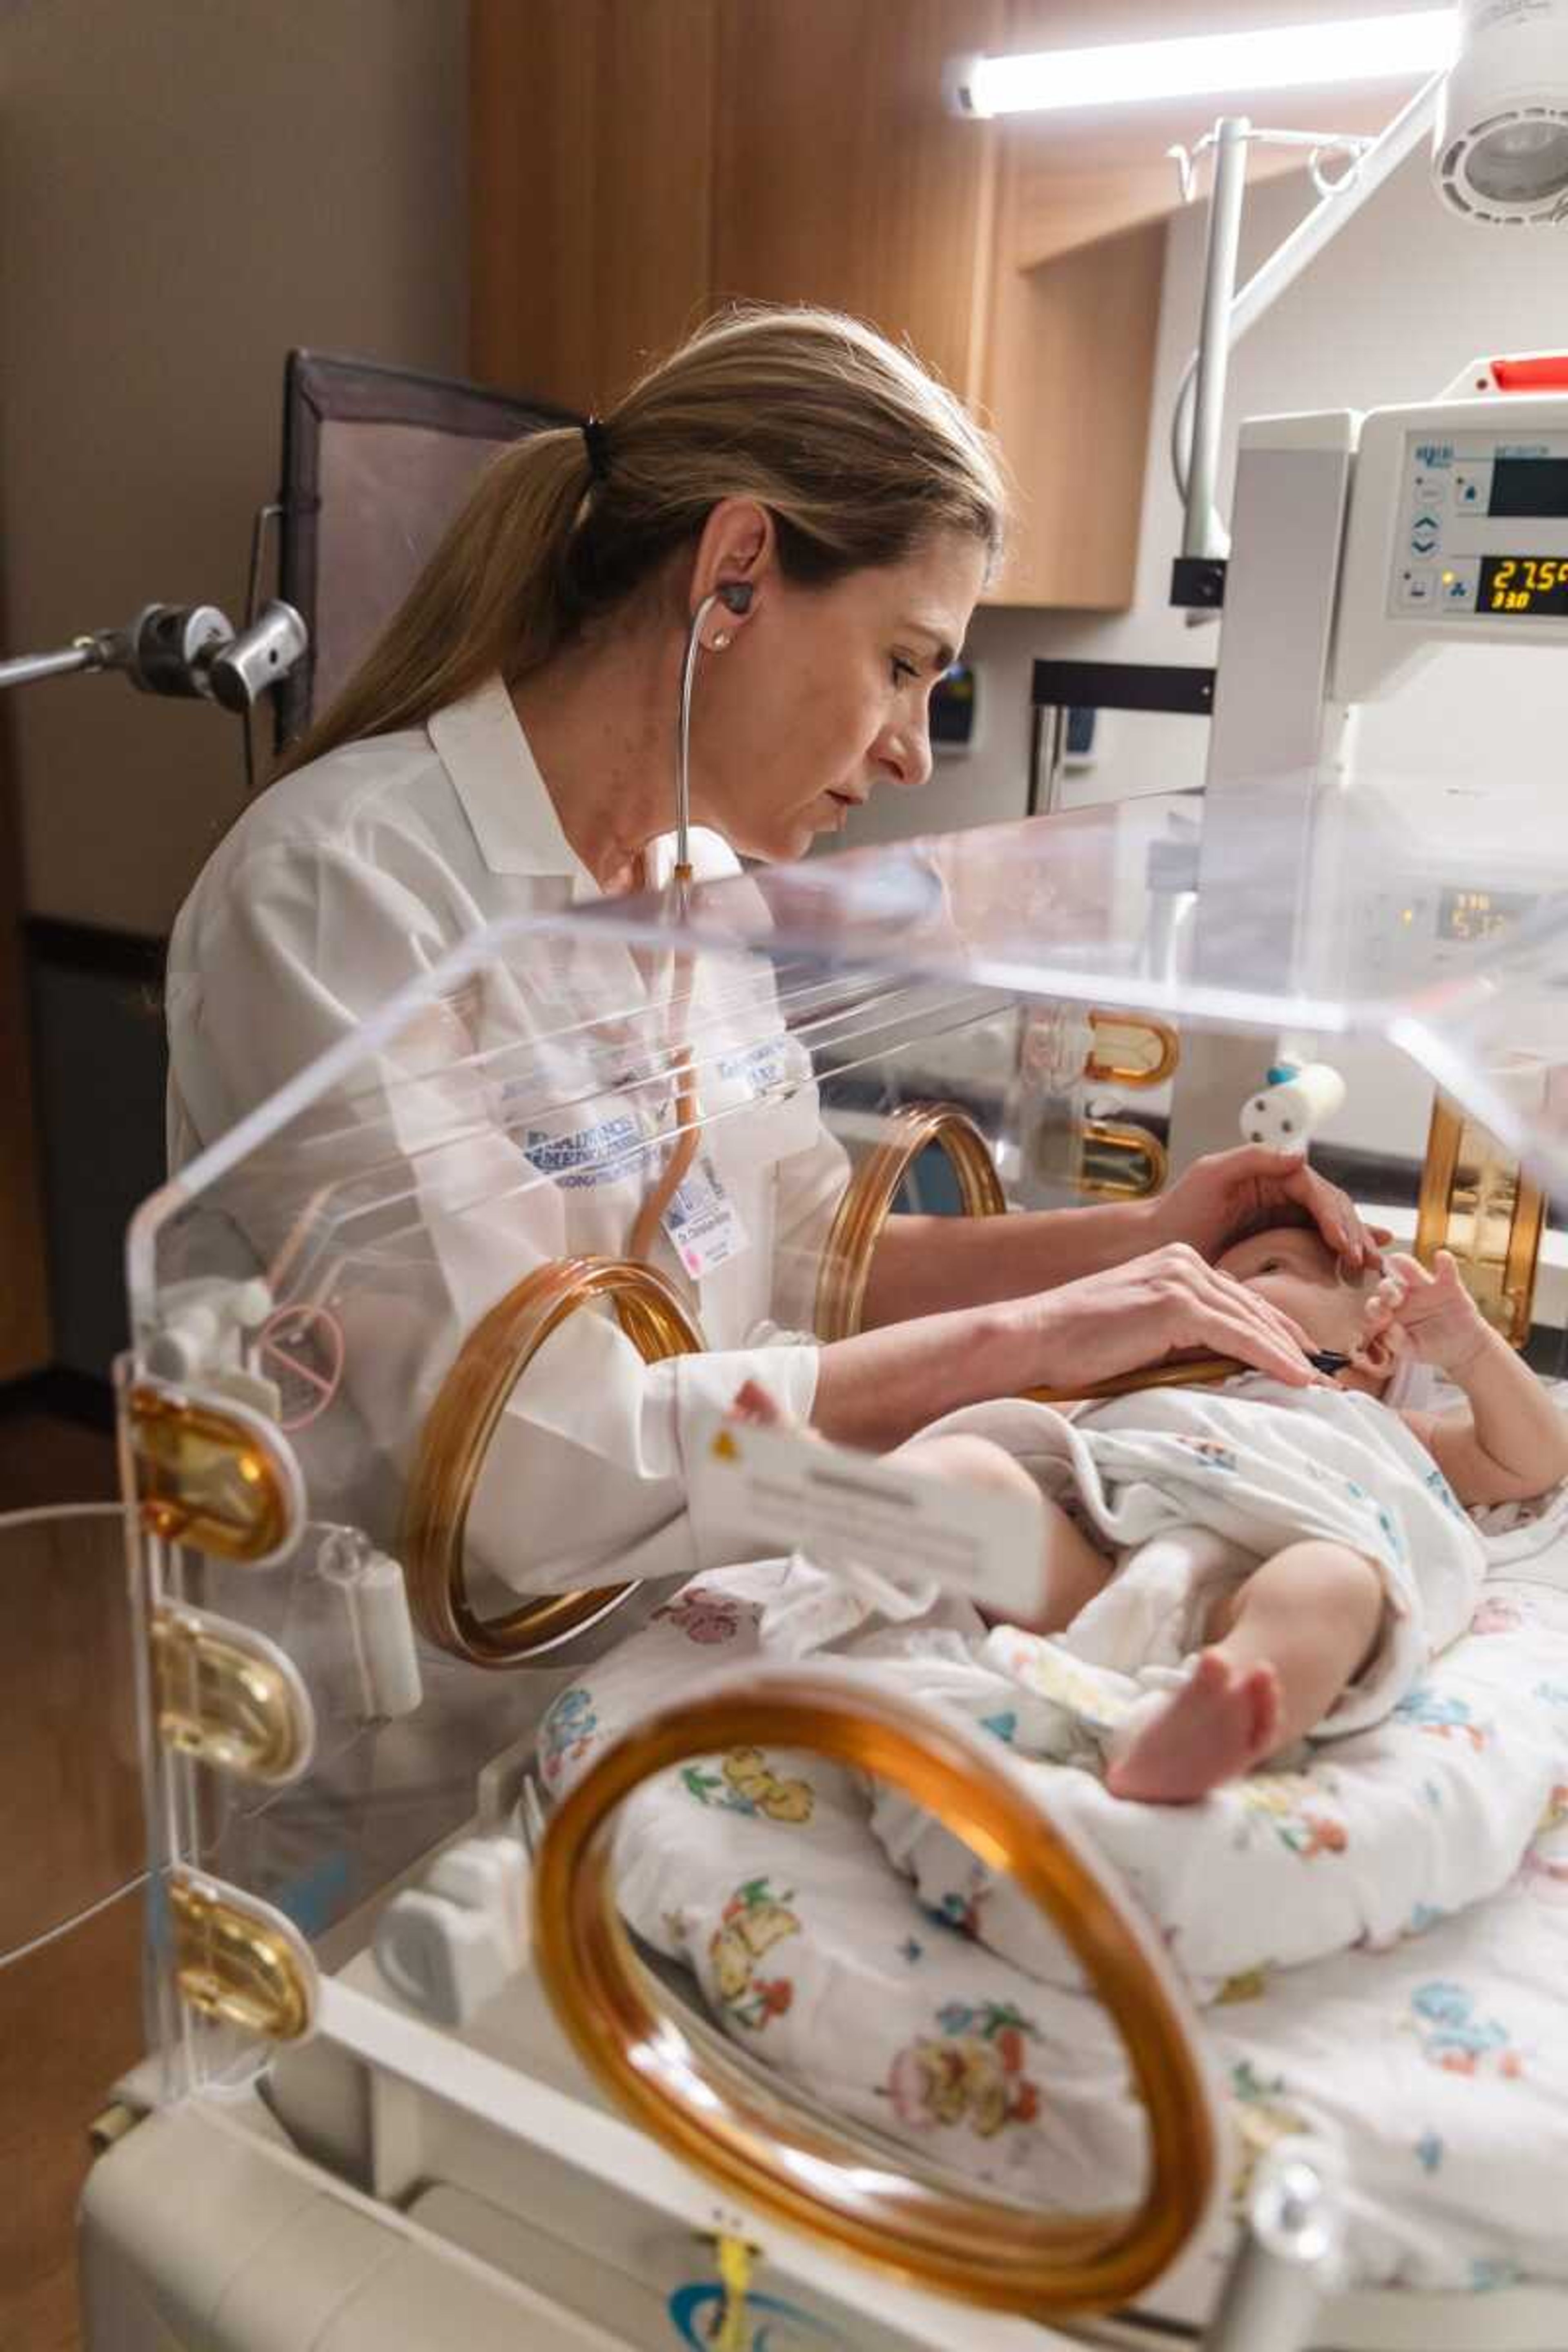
(1295, 1270)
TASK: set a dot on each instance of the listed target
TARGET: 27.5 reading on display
(1523, 583)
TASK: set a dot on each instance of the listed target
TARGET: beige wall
(187, 188)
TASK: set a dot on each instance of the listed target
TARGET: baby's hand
(1430, 1316)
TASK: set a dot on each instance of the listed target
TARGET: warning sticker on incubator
(702, 1222)
(773, 1490)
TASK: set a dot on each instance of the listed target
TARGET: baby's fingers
(1386, 1300)
(1446, 1272)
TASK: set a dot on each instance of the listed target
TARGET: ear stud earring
(720, 641)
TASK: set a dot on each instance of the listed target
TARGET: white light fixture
(1292, 56)
(1500, 150)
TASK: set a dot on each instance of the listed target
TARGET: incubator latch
(238, 1962)
(213, 1474)
(229, 1697)
(1121, 1162)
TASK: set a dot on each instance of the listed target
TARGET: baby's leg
(1291, 1638)
(1072, 1570)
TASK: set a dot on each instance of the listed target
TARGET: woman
(507, 748)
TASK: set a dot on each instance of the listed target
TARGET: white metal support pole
(1203, 534)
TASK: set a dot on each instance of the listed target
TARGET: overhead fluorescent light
(1405, 46)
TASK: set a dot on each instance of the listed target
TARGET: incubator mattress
(1424, 2050)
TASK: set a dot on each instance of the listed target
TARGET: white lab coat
(339, 884)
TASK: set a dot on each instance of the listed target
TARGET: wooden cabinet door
(840, 178)
(637, 162)
(591, 189)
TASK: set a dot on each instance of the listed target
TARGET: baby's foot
(1219, 1724)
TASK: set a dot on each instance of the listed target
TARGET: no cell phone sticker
(302, 1347)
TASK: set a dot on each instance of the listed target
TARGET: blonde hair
(856, 451)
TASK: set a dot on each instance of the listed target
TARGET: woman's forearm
(925, 1265)
(877, 1390)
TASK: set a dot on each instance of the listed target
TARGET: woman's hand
(1168, 1304)
(1222, 1198)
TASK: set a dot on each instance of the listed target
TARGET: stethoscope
(735, 596)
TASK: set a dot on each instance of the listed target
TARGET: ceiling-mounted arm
(1198, 578)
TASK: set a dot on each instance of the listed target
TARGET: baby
(1292, 1622)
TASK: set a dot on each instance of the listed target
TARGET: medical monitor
(376, 461)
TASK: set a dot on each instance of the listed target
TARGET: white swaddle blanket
(1191, 1488)
(1423, 1808)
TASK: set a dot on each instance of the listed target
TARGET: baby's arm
(1511, 1442)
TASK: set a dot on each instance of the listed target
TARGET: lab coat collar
(480, 744)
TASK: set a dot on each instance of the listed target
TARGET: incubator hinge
(206, 1331)
(1290, 2258)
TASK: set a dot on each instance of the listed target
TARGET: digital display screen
(1523, 583)
(1477, 914)
(1530, 486)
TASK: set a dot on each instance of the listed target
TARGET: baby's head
(1293, 1267)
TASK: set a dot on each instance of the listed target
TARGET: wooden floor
(70, 1832)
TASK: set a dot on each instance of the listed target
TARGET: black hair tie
(596, 442)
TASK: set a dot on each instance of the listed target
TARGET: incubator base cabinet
(208, 2229)
(562, 1934)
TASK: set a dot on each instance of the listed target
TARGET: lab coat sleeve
(810, 1186)
(584, 1478)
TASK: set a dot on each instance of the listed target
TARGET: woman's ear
(735, 555)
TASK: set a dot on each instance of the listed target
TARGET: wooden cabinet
(591, 180)
(841, 179)
(637, 162)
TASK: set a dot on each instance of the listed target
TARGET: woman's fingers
(1333, 1213)
(1252, 1342)
(1234, 1297)
(1206, 1308)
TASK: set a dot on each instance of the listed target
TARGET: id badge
(702, 1222)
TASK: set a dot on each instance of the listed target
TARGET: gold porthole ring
(790, 2161)
(457, 1436)
(873, 1188)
